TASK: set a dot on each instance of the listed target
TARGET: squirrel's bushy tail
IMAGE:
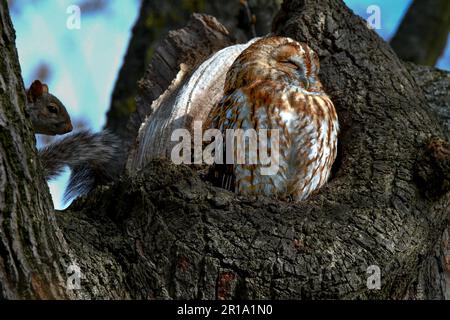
(94, 158)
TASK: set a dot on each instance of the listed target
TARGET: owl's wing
(224, 115)
(251, 109)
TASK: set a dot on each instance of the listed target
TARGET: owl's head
(278, 59)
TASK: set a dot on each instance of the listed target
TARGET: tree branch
(166, 233)
(422, 34)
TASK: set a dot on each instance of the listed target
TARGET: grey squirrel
(94, 158)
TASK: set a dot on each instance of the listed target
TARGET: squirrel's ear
(36, 90)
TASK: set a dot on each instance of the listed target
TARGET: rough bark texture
(178, 237)
(166, 233)
(434, 274)
(435, 84)
(422, 35)
(32, 249)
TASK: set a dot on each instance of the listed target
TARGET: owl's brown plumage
(274, 84)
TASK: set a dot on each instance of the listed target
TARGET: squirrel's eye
(52, 109)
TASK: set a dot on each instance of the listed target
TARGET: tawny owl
(274, 85)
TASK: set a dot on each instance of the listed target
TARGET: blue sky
(84, 63)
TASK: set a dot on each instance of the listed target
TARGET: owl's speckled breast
(274, 84)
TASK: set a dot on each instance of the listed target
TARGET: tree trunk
(433, 280)
(167, 233)
(33, 253)
(422, 34)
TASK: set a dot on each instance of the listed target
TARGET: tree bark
(167, 233)
(422, 34)
(33, 253)
(433, 280)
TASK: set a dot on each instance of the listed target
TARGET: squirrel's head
(48, 114)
